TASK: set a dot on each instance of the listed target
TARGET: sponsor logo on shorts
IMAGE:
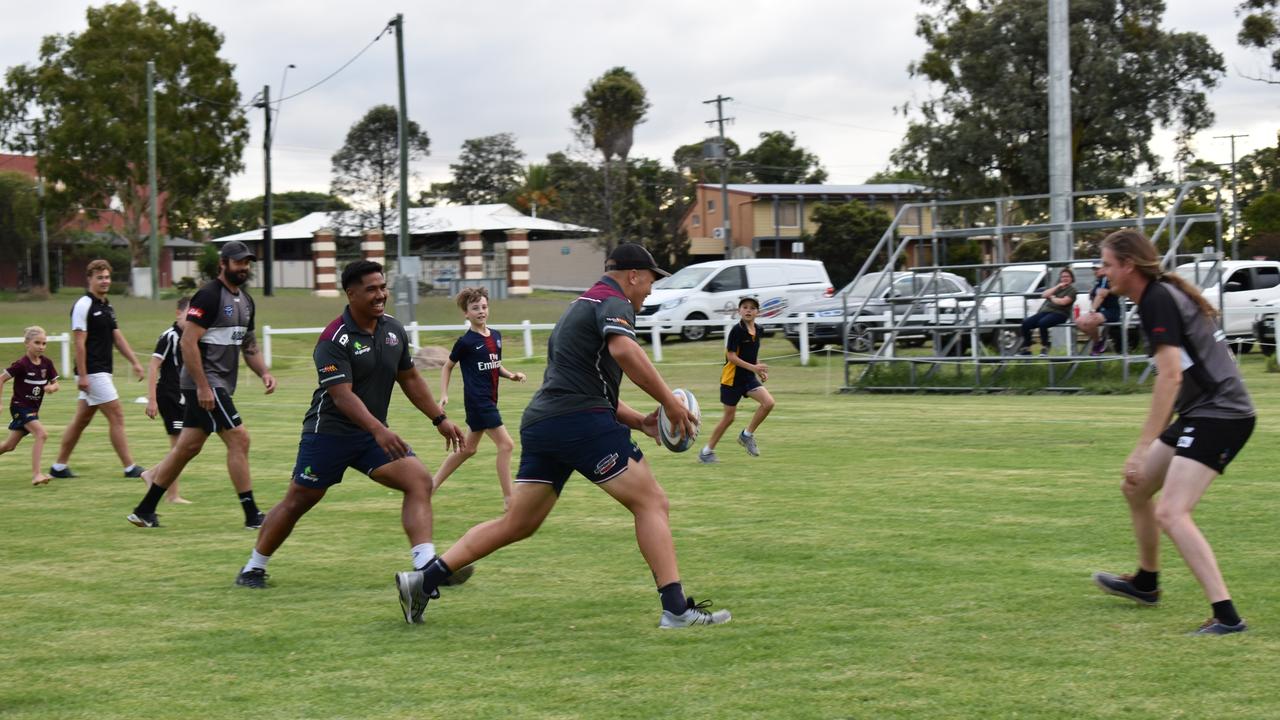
(307, 475)
(329, 369)
(1185, 441)
(607, 463)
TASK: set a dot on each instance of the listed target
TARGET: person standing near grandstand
(742, 376)
(34, 377)
(1198, 379)
(93, 325)
(164, 396)
(479, 353)
(576, 421)
(220, 325)
(359, 358)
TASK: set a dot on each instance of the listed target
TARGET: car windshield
(1204, 275)
(1010, 280)
(869, 284)
(689, 277)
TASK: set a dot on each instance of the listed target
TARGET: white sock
(59, 466)
(706, 449)
(131, 467)
(747, 433)
(422, 555)
(257, 561)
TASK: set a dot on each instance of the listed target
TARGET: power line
(326, 78)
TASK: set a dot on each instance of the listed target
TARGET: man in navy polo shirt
(359, 359)
(576, 421)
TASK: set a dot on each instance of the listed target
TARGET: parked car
(711, 290)
(881, 300)
(1248, 285)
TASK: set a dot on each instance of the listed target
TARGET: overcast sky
(831, 71)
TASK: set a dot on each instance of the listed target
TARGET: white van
(711, 290)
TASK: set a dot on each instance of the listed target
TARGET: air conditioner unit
(717, 233)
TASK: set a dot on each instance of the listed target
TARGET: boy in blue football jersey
(479, 353)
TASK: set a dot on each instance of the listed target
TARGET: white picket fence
(65, 368)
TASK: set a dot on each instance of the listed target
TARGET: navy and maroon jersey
(479, 357)
(29, 381)
(369, 363)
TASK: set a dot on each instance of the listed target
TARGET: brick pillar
(324, 253)
(374, 247)
(471, 248)
(518, 262)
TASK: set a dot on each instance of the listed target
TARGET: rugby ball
(667, 432)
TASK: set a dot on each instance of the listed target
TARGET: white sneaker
(697, 614)
(708, 457)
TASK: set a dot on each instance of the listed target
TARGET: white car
(1249, 285)
(1012, 294)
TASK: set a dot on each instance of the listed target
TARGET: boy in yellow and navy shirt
(742, 375)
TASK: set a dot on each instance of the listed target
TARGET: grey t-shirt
(1211, 383)
(227, 319)
(581, 374)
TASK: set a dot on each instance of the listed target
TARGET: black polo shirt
(97, 320)
(345, 354)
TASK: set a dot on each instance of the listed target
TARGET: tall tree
(1260, 28)
(366, 170)
(88, 94)
(846, 234)
(697, 160)
(779, 159)
(611, 108)
(987, 133)
(238, 216)
(488, 171)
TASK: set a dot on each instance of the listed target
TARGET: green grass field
(886, 557)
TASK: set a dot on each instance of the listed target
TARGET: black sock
(434, 573)
(148, 504)
(673, 598)
(1225, 611)
(1145, 580)
(248, 505)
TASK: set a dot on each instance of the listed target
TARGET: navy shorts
(172, 410)
(223, 416)
(480, 419)
(731, 394)
(322, 459)
(1209, 441)
(22, 416)
(594, 443)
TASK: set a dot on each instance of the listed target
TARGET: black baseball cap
(633, 256)
(236, 250)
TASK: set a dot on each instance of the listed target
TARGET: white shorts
(101, 390)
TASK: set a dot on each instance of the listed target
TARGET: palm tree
(536, 190)
(611, 108)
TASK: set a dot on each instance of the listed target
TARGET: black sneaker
(133, 472)
(144, 520)
(1122, 586)
(62, 474)
(1213, 626)
(255, 522)
(255, 579)
(460, 576)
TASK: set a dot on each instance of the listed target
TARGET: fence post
(413, 333)
(656, 333)
(804, 338)
(266, 344)
(67, 368)
(528, 339)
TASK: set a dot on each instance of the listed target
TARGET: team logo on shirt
(392, 340)
(228, 309)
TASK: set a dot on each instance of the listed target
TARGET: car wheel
(1241, 346)
(694, 333)
(861, 339)
(1008, 341)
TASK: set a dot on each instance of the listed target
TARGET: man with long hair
(1197, 378)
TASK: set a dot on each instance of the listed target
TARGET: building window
(787, 214)
(711, 206)
(697, 220)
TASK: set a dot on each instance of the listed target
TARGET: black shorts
(222, 417)
(483, 418)
(22, 416)
(1214, 442)
(592, 442)
(323, 459)
(731, 394)
(172, 410)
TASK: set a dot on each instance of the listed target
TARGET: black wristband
(438, 419)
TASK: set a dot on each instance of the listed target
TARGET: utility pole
(1060, 245)
(720, 120)
(268, 242)
(151, 180)
(44, 231)
(402, 126)
(1235, 199)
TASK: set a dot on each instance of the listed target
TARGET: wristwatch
(438, 419)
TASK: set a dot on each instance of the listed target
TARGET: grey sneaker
(1213, 627)
(749, 442)
(144, 520)
(696, 614)
(255, 579)
(1122, 586)
(413, 599)
(708, 457)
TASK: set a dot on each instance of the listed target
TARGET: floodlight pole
(1235, 200)
(1060, 245)
(151, 180)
